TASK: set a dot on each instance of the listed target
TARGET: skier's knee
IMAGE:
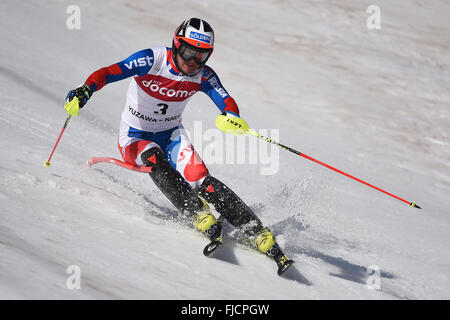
(170, 181)
(152, 157)
(161, 167)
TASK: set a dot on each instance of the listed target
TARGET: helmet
(193, 39)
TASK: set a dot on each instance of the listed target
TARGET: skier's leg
(230, 205)
(170, 181)
(183, 157)
(137, 149)
(179, 192)
(191, 167)
(183, 166)
(131, 148)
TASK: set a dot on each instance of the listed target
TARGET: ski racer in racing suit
(151, 131)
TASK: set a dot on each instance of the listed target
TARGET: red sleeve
(99, 78)
(231, 106)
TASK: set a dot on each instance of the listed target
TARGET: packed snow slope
(374, 103)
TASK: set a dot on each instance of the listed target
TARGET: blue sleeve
(137, 64)
(212, 86)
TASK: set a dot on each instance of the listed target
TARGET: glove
(230, 123)
(77, 98)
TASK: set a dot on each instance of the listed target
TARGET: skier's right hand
(82, 93)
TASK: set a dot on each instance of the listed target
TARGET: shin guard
(170, 182)
(229, 205)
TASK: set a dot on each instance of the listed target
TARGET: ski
(283, 266)
(215, 235)
(275, 253)
(283, 262)
(212, 246)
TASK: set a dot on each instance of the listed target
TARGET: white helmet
(194, 39)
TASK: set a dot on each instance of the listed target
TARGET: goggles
(188, 52)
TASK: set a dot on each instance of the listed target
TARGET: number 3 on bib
(162, 108)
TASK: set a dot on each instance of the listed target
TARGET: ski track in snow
(375, 104)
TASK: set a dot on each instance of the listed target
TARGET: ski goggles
(188, 52)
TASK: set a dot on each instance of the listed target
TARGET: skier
(152, 134)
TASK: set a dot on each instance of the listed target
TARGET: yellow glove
(234, 125)
(72, 107)
(76, 99)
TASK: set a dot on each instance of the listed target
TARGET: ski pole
(47, 163)
(256, 134)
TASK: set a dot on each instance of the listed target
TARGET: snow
(374, 103)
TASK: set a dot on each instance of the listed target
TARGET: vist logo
(167, 89)
(140, 62)
(199, 36)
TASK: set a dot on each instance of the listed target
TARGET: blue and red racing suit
(156, 98)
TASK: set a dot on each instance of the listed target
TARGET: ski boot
(265, 241)
(207, 223)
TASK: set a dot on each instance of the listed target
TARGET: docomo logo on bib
(154, 86)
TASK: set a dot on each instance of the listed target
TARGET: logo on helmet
(199, 36)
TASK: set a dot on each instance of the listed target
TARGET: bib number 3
(162, 108)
